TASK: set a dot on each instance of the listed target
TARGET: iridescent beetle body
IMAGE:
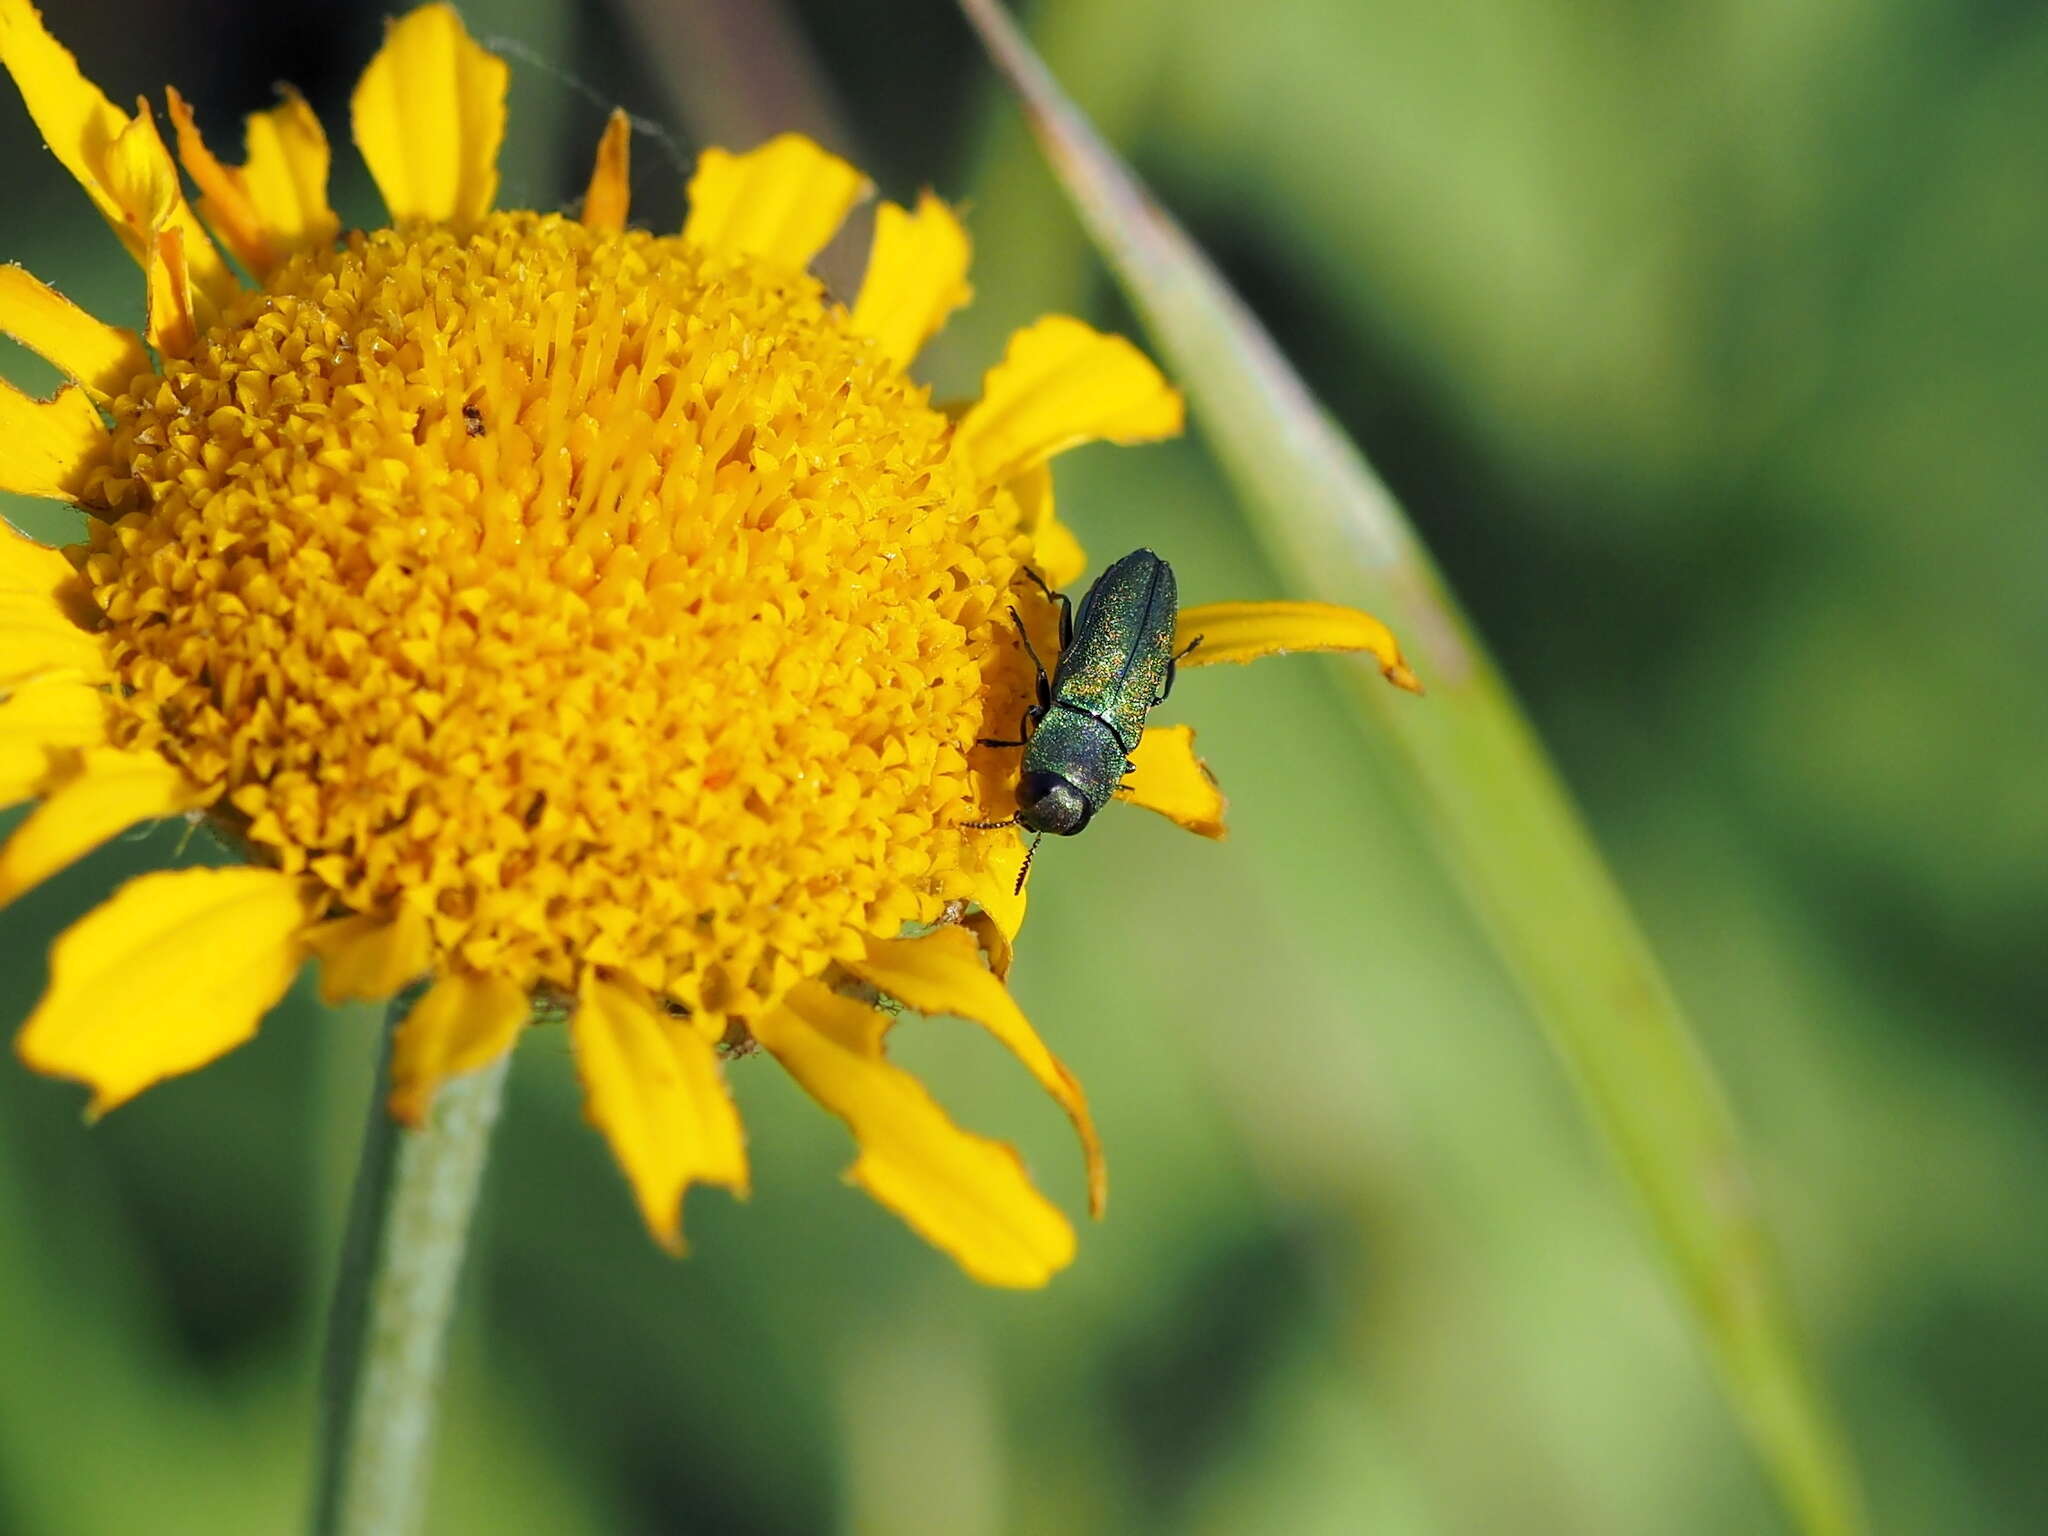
(1116, 662)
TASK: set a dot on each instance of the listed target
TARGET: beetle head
(1046, 802)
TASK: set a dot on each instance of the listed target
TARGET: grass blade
(1497, 809)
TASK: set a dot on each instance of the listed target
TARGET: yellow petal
(111, 793)
(610, 193)
(1056, 554)
(74, 117)
(104, 358)
(36, 570)
(916, 277)
(39, 720)
(429, 116)
(173, 325)
(995, 888)
(942, 973)
(1060, 384)
(38, 641)
(651, 1084)
(84, 131)
(176, 969)
(963, 1193)
(780, 202)
(51, 445)
(1243, 632)
(277, 203)
(1171, 780)
(371, 958)
(463, 1023)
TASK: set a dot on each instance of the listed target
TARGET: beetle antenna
(990, 826)
(1025, 868)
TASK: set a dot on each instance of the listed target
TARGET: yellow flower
(549, 610)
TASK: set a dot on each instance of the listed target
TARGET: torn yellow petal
(998, 946)
(780, 202)
(370, 958)
(104, 358)
(176, 969)
(1055, 553)
(112, 791)
(173, 326)
(963, 1193)
(610, 194)
(120, 161)
(916, 277)
(463, 1023)
(38, 721)
(74, 117)
(942, 972)
(1171, 780)
(85, 131)
(1243, 632)
(1062, 383)
(49, 445)
(429, 116)
(995, 888)
(652, 1086)
(275, 204)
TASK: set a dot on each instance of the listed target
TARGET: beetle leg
(1032, 715)
(1044, 686)
(1066, 606)
(1173, 668)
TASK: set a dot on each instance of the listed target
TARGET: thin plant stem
(408, 1225)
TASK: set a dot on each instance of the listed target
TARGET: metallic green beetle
(1116, 662)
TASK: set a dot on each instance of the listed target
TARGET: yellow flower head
(550, 609)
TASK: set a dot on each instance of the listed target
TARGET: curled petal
(173, 324)
(429, 116)
(1171, 780)
(963, 1193)
(916, 277)
(370, 958)
(610, 193)
(1056, 554)
(134, 184)
(651, 1084)
(112, 791)
(174, 970)
(1060, 384)
(39, 721)
(50, 444)
(275, 204)
(104, 358)
(1243, 632)
(463, 1023)
(996, 889)
(780, 202)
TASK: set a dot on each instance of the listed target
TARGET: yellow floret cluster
(605, 597)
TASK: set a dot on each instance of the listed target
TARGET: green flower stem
(408, 1225)
(1500, 816)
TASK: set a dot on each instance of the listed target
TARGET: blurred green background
(1707, 345)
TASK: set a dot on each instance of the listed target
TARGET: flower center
(608, 600)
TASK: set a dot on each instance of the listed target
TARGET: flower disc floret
(608, 600)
